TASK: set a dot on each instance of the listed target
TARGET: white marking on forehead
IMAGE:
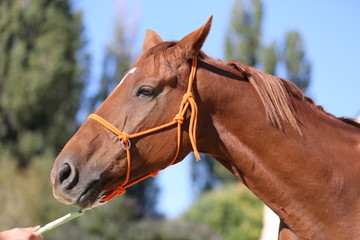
(131, 71)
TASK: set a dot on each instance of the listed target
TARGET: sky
(330, 30)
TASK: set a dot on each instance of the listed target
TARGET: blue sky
(330, 30)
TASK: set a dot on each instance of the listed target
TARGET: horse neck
(295, 175)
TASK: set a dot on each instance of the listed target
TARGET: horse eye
(145, 91)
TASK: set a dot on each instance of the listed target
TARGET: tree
(125, 221)
(297, 66)
(41, 81)
(40, 75)
(243, 37)
(232, 211)
(243, 43)
(269, 58)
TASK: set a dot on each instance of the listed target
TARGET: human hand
(21, 234)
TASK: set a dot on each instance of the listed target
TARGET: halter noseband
(188, 100)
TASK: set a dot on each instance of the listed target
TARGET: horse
(301, 161)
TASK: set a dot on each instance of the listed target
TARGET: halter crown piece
(188, 100)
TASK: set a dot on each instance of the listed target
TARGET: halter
(188, 100)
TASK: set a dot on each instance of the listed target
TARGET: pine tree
(297, 66)
(269, 58)
(40, 75)
(245, 20)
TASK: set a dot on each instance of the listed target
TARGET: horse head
(107, 152)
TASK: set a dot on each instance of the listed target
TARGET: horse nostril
(68, 176)
(64, 172)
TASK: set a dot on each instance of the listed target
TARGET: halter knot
(187, 96)
(179, 119)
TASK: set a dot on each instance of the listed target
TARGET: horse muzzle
(70, 187)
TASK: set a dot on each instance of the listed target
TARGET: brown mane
(278, 96)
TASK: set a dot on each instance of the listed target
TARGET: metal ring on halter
(124, 145)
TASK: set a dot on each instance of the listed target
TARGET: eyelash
(145, 91)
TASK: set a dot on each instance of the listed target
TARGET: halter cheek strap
(187, 101)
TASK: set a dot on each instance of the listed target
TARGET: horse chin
(91, 197)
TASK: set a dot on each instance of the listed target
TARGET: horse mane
(279, 97)
(275, 93)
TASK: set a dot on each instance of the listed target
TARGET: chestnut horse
(302, 162)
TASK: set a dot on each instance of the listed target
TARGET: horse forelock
(155, 53)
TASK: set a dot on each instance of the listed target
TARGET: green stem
(74, 214)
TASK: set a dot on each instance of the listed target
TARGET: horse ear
(191, 44)
(151, 39)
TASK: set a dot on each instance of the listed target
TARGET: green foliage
(121, 219)
(26, 194)
(243, 42)
(40, 76)
(40, 88)
(232, 211)
(269, 58)
(297, 66)
(171, 230)
(243, 36)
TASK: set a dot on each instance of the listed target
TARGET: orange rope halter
(188, 100)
